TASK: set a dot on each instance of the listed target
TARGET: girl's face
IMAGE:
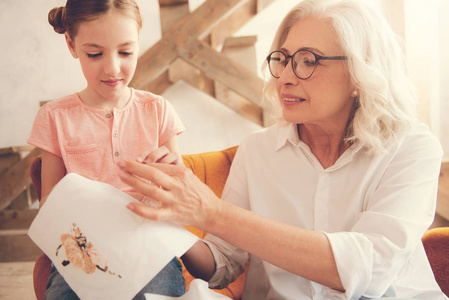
(107, 48)
(324, 98)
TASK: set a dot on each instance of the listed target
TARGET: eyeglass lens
(303, 63)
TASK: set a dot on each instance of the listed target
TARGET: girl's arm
(167, 153)
(53, 170)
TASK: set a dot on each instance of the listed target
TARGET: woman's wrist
(212, 213)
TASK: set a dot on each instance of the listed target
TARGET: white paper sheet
(103, 250)
(198, 290)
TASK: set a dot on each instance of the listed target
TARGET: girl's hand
(183, 197)
(160, 155)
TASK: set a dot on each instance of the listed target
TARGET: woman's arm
(187, 200)
(52, 171)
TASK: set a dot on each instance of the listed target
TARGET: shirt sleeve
(170, 124)
(44, 133)
(230, 261)
(371, 255)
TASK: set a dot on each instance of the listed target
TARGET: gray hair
(376, 63)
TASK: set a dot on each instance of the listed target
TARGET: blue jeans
(169, 281)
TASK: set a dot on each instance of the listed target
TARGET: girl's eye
(124, 53)
(93, 55)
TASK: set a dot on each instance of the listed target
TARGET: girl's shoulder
(145, 97)
(68, 101)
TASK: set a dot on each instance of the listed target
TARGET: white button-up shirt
(374, 211)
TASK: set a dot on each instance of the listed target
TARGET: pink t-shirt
(91, 141)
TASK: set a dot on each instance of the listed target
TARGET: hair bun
(56, 18)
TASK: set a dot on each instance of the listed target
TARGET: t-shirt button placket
(116, 153)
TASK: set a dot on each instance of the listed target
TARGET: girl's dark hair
(67, 18)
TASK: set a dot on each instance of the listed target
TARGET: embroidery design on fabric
(81, 253)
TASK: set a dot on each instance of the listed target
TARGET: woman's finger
(148, 172)
(155, 214)
(150, 190)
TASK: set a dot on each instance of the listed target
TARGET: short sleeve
(170, 124)
(44, 133)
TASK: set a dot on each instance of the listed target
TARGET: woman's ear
(70, 44)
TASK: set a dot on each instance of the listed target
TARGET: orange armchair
(436, 244)
(211, 168)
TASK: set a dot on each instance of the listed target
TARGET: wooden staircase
(17, 195)
(187, 51)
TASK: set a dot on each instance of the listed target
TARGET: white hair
(376, 63)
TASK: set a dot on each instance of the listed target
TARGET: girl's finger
(170, 158)
(154, 155)
(142, 157)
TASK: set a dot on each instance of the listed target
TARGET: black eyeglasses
(304, 62)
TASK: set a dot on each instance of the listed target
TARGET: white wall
(36, 65)
(443, 75)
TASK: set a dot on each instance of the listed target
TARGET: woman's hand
(160, 155)
(184, 198)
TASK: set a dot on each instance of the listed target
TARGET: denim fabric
(169, 281)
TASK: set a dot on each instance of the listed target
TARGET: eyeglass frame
(288, 58)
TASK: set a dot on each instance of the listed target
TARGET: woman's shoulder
(421, 141)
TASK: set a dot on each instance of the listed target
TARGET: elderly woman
(332, 202)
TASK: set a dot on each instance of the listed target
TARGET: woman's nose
(287, 75)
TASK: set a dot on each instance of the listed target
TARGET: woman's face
(324, 99)
(107, 48)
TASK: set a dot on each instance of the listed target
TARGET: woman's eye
(310, 62)
(93, 55)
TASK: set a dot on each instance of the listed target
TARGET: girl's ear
(71, 45)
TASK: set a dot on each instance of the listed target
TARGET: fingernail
(140, 159)
(121, 164)
(130, 206)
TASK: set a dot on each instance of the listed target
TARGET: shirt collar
(288, 133)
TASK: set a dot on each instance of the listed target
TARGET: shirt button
(108, 115)
(117, 153)
(115, 134)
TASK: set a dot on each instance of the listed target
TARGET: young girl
(90, 131)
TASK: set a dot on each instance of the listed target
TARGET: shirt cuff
(354, 262)
(230, 262)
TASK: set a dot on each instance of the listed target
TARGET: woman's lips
(294, 99)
